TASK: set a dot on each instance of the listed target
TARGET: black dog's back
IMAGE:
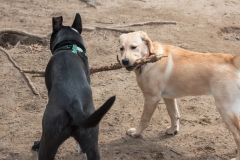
(70, 110)
(70, 86)
(67, 80)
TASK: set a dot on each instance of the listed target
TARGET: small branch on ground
(118, 28)
(218, 117)
(104, 22)
(38, 75)
(115, 29)
(147, 23)
(30, 84)
(20, 70)
(115, 66)
(17, 44)
(175, 152)
(33, 71)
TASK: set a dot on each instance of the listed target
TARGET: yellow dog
(182, 73)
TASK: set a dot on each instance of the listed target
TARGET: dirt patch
(230, 33)
(11, 37)
(203, 26)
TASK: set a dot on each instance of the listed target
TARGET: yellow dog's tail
(236, 122)
(236, 61)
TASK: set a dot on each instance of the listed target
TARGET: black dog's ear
(57, 23)
(77, 23)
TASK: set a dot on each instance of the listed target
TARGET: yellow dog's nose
(125, 61)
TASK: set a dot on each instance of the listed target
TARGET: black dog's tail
(96, 117)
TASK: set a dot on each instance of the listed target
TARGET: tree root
(20, 70)
(15, 37)
(20, 32)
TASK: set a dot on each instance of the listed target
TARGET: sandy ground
(203, 26)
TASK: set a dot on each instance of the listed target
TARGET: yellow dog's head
(133, 46)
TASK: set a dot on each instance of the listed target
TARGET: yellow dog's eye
(121, 48)
(133, 47)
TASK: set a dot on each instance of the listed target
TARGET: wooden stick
(115, 66)
(33, 71)
(38, 75)
(175, 151)
(115, 29)
(104, 22)
(34, 90)
(20, 69)
(17, 44)
(150, 59)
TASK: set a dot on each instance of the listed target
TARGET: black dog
(70, 110)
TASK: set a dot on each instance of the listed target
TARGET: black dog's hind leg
(50, 143)
(55, 132)
(88, 140)
(36, 146)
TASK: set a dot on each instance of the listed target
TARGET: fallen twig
(146, 23)
(20, 70)
(218, 117)
(39, 75)
(17, 44)
(115, 29)
(175, 152)
(114, 66)
(104, 22)
(31, 85)
(118, 28)
(33, 71)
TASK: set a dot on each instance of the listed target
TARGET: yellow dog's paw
(172, 130)
(132, 133)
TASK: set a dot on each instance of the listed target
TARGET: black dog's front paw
(36, 145)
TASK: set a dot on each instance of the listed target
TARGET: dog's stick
(20, 69)
(114, 66)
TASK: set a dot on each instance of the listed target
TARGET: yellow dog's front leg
(149, 108)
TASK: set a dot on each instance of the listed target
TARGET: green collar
(72, 47)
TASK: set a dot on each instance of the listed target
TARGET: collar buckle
(73, 47)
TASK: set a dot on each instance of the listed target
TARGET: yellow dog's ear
(121, 37)
(150, 45)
